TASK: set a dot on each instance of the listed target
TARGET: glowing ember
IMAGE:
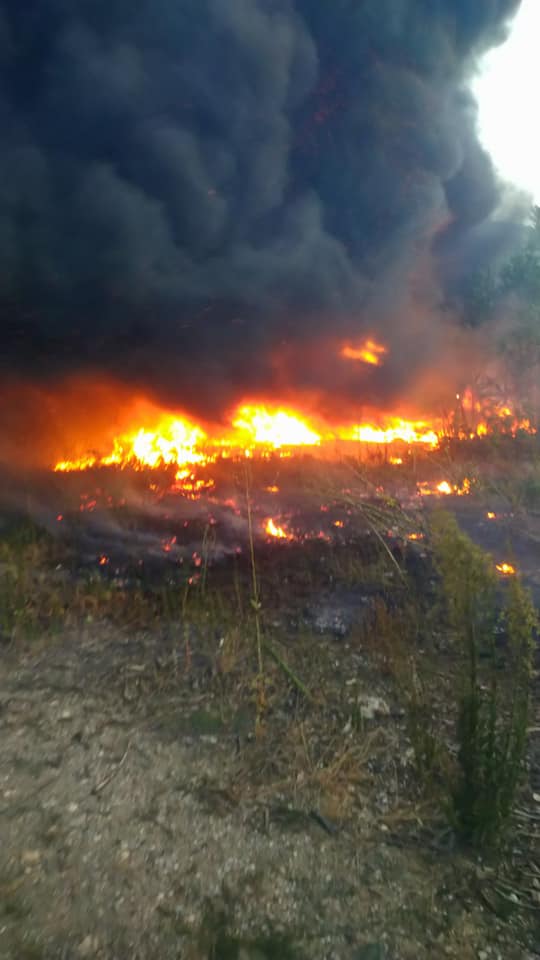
(278, 428)
(491, 516)
(369, 352)
(185, 482)
(507, 569)
(273, 530)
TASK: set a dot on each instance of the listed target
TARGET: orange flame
(273, 530)
(507, 569)
(154, 438)
(175, 440)
(445, 488)
(396, 429)
(273, 428)
(368, 352)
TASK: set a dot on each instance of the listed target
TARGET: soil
(144, 813)
(139, 822)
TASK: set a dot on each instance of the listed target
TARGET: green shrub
(493, 689)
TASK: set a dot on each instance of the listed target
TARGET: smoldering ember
(270, 482)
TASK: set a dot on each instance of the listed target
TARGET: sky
(507, 90)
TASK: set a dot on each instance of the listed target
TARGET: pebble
(372, 706)
(88, 947)
(30, 857)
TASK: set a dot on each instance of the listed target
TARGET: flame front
(168, 439)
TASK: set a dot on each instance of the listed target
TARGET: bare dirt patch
(140, 817)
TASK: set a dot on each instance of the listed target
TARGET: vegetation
(506, 301)
(493, 696)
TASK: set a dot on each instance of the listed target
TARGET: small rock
(30, 857)
(88, 947)
(371, 707)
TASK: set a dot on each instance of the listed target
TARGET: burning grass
(168, 438)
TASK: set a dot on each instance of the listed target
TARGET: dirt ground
(138, 821)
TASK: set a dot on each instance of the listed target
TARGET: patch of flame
(369, 352)
(507, 569)
(444, 488)
(273, 428)
(273, 530)
(395, 429)
(173, 441)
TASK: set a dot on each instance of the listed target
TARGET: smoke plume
(190, 189)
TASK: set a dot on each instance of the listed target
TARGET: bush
(494, 685)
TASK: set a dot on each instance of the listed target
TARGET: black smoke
(189, 186)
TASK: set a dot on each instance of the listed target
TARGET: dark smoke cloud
(186, 185)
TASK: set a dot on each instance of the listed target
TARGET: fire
(155, 438)
(273, 530)
(175, 441)
(172, 441)
(395, 429)
(275, 429)
(368, 352)
(507, 569)
(444, 488)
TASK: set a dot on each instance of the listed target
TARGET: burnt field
(229, 709)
